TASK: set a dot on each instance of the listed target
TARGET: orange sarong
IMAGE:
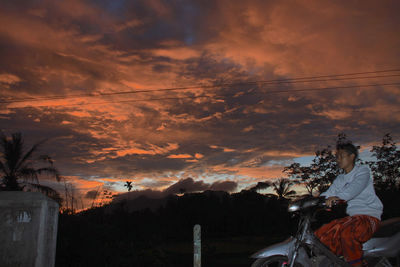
(345, 236)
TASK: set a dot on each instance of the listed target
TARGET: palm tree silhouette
(17, 168)
(129, 185)
(282, 188)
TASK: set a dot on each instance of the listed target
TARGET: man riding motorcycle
(345, 236)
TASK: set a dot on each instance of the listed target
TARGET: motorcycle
(304, 249)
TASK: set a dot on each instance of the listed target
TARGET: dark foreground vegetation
(233, 227)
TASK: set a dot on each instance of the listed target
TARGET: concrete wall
(28, 229)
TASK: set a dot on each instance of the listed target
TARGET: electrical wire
(227, 95)
(264, 82)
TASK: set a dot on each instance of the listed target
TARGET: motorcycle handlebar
(307, 203)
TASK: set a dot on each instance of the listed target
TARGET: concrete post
(197, 246)
(28, 229)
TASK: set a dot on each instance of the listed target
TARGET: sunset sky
(224, 92)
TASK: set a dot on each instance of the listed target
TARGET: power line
(230, 94)
(265, 82)
(97, 94)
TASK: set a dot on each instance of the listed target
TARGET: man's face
(344, 159)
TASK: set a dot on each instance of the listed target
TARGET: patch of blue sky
(366, 154)
(282, 163)
(304, 161)
(119, 186)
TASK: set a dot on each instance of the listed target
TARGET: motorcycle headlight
(293, 207)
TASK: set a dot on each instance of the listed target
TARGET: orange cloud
(150, 150)
(179, 156)
(198, 155)
(9, 78)
(132, 151)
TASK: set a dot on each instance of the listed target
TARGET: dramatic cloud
(155, 91)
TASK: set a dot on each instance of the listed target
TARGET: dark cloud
(261, 186)
(227, 186)
(187, 185)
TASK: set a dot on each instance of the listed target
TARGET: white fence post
(197, 246)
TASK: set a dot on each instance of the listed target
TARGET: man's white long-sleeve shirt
(357, 188)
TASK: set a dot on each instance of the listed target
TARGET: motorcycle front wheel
(273, 261)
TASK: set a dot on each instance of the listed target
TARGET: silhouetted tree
(128, 184)
(282, 187)
(386, 168)
(17, 167)
(305, 174)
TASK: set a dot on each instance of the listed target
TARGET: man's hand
(330, 201)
